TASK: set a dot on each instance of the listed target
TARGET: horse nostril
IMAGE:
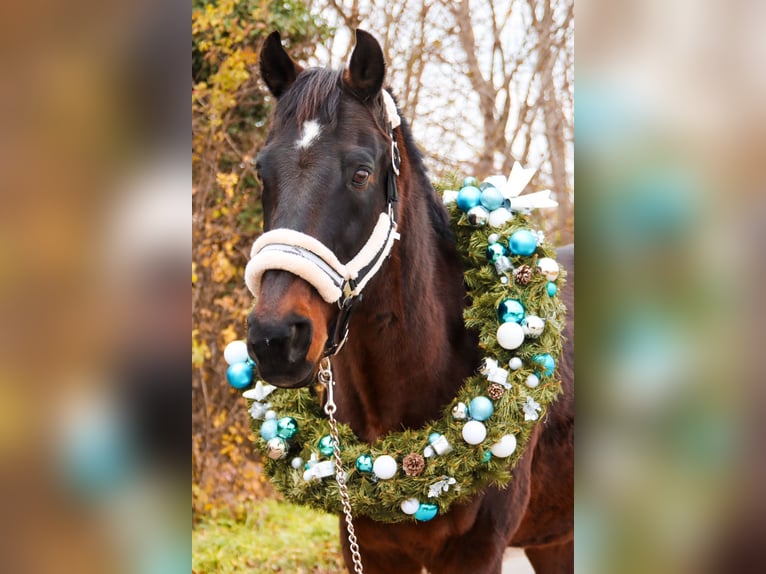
(301, 340)
(279, 345)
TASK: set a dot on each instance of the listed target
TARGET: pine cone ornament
(413, 464)
(523, 275)
(495, 391)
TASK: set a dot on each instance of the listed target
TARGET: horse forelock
(315, 95)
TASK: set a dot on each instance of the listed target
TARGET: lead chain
(326, 378)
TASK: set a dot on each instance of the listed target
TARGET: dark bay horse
(325, 171)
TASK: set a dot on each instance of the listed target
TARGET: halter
(311, 260)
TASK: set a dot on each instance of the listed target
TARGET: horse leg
(552, 559)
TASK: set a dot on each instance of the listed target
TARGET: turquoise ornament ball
(495, 251)
(551, 289)
(364, 463)
(468, 197)
(480, 408)
(470, 181)
(287, 427)
(239, 375)
(269, 429)
(523, 242)
(491, 198)
(325, 445)
(486, 457)
(486, 185)
(433, 437)
(547, 362)
(510, 311)
(426, 512)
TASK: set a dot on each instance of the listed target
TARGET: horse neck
(408, 350)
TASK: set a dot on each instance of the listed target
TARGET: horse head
(326, 171)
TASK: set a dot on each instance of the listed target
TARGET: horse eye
(360, 177)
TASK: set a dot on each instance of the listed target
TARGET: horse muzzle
(280, 348)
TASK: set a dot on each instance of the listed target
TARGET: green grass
(275, 537)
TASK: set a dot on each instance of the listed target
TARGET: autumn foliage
(229, 113)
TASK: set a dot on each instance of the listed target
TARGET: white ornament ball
(549, 268)
(449, 196)
(493, 238)
(499, 217)
(515, 364)
(384, 467)
(235, 352)
(533, 326)
(504, 447)
(428, 452)
(510, 335)
(410, 506)
(297, 463)
(474, 432)
(532, 381)
(270, 415)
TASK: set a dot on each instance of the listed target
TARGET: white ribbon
(512, 187)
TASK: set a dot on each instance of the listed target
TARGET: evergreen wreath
(482, 433)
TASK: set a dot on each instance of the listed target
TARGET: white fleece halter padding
(393, 115)
(315, 262)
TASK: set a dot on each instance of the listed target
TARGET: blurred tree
(229, 113)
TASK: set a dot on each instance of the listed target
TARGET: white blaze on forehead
(311, 131)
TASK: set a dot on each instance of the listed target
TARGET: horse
(326, 171)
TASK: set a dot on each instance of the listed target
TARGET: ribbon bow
(512, 186)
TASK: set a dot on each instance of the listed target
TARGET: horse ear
(367, 68)
(277, 68)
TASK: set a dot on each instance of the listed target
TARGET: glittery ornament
(459, 411)
(325, 445)
(287, 427)
(510, 310)
(413, 464)
(523, 275)
(495, 391)
(495, 250)
(477, 216)
(276, 448)
(364, 463)
(533, 326)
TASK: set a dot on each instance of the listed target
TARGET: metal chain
(326, 378)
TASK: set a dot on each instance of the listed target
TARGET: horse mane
(436, 211)
(317, 93)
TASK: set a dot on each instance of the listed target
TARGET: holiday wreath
(513, 283)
